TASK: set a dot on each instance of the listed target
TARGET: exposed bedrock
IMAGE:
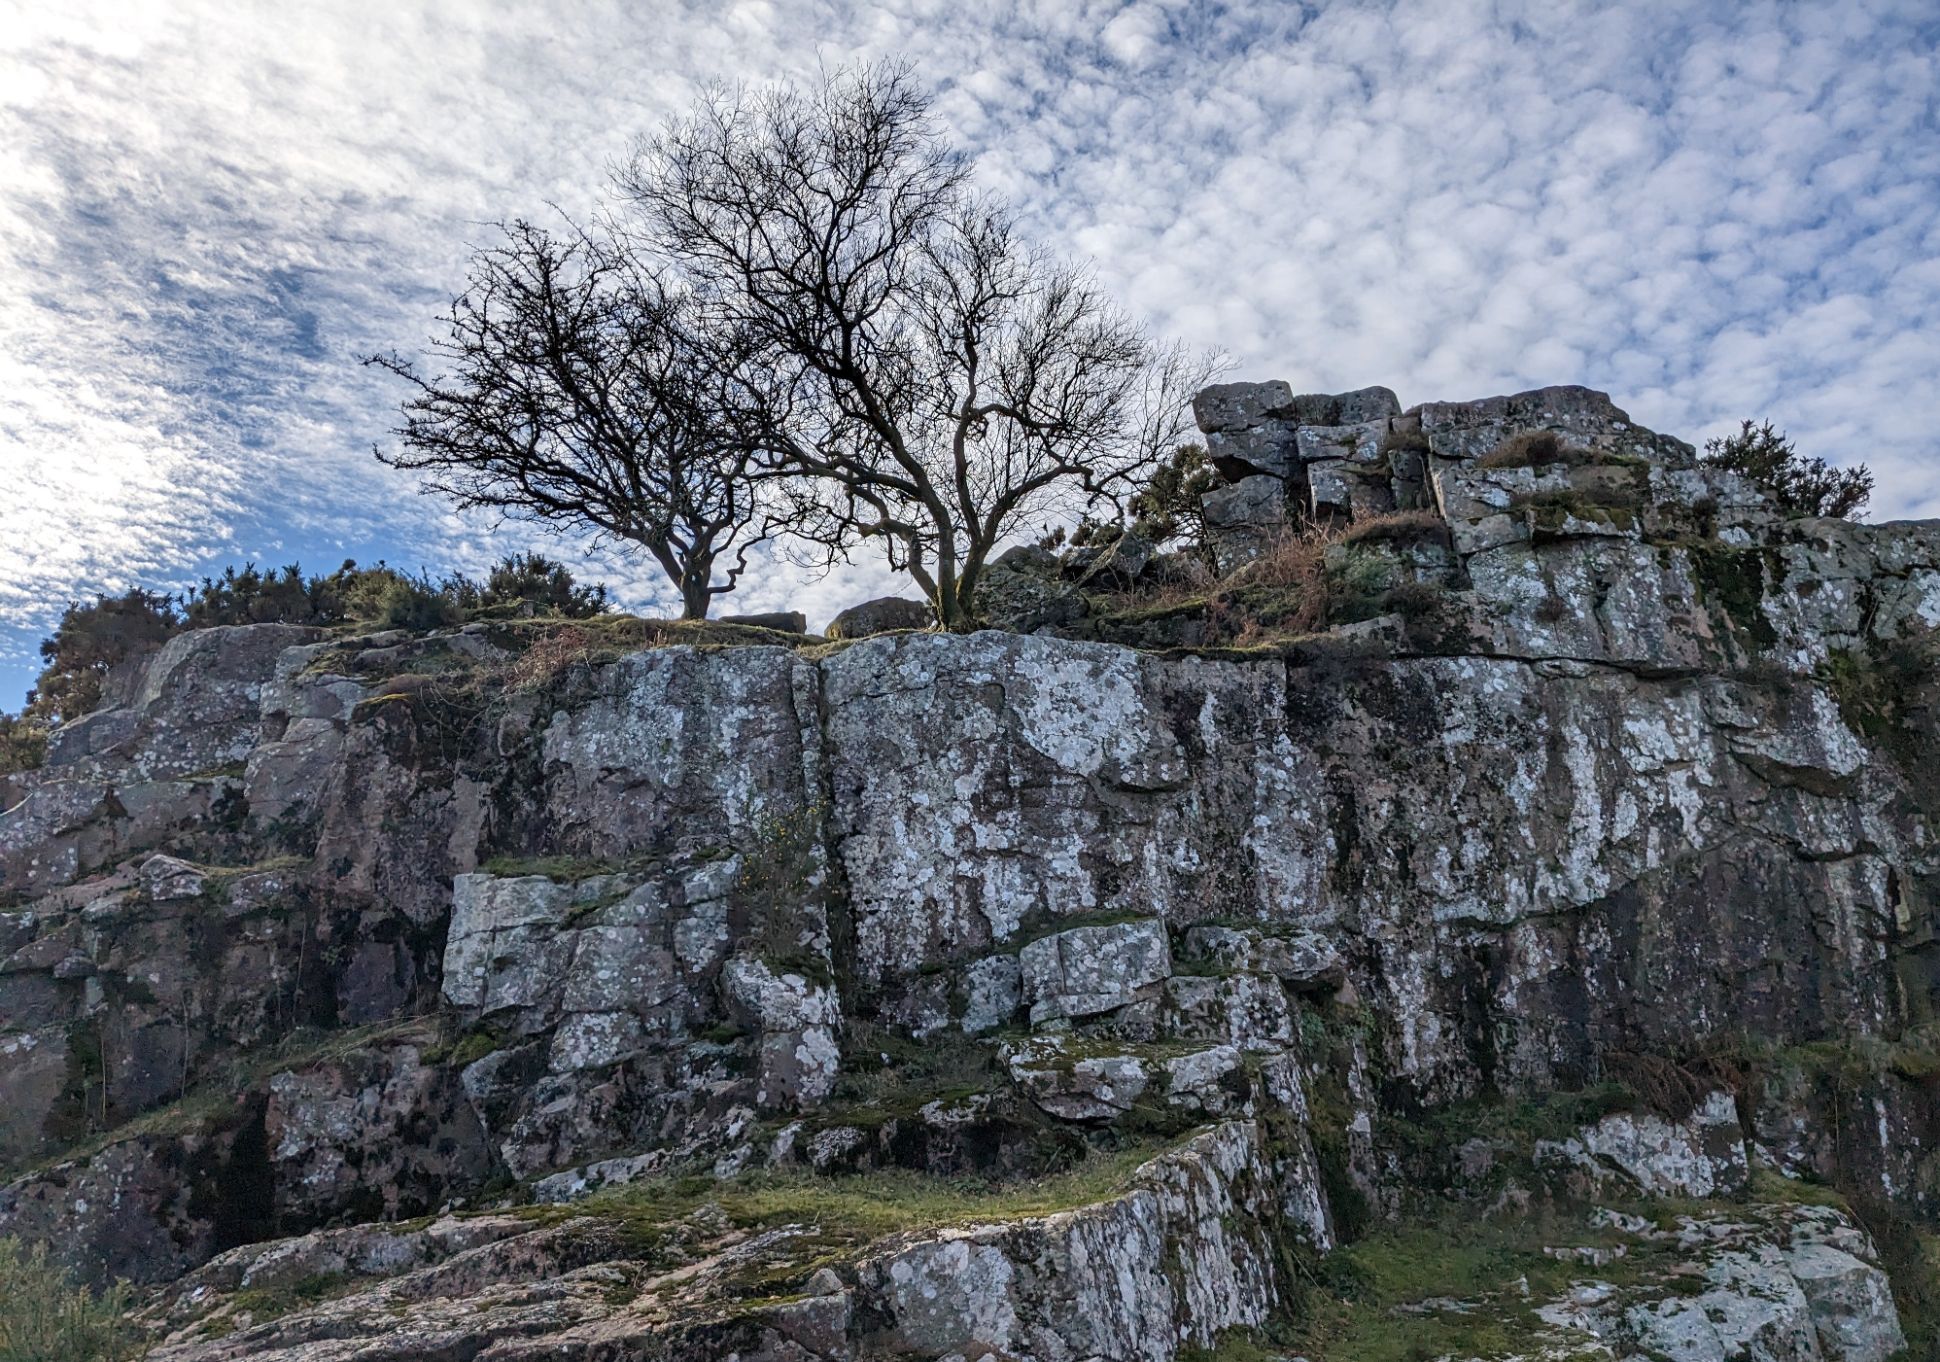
(310, 930)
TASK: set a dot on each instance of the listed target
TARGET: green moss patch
(1551, 511)
(1732, 582)
(673, 1221)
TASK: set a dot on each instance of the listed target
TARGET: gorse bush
(1802, 486)
(46, 1317)
(528, 583)
(23, 743)
(1168, 507)
(87, 643)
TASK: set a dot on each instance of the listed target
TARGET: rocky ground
(1514, 937)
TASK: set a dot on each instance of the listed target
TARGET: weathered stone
(993, 991)
(1168, 1266)
(1702, 1155)
(799, 1020)
(1022, 602)
(1269, 449)
(1246, 1010)
(1235, 406)
(1244, 520)
(1028, 558)
(1074, 1086)
(1469, 430)
(880, 616)
(1362, 405)
(1122, 563)
(1628, 789)
(1087, 970)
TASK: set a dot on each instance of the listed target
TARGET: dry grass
(1532, 449)
(1294, 570)
(1291, 590)
(1398, 527)
(551, 653)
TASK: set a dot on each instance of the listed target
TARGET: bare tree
(927, 380)
(577, 387)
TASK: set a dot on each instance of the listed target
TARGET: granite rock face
(305, 933)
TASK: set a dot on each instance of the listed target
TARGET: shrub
(23, 743)
(248, 595)
(1168, 507)
(1296, 565)
(414, 604)
(46, 1317)
(550, 654)
(89, 642)
(526, 584)
(1802, 487)
(537, 583)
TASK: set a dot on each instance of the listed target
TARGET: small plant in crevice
(1885, 693)
(1545, 449)
(779, 893)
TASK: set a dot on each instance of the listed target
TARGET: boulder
(1028, 558)
(880, 616)
(1122, 562)
(1269, 448)
(1237, 406)
(1077, 1087)
(1087, 970)
(1244, 520)
(1342, 409)
(1022, 602)
(1700, 1155)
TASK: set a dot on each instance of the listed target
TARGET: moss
(1381, 1299)
(1518, 1122)
(608, 637)
(561, 869)
(1732, 580)
(886, 1075)
(840, 1216)
(265, 1303)
(1550, 511)
(1774, 1188)
(1367, 1299)
(466, 1048)
(1234, 1345)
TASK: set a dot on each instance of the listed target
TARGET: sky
(211, 209)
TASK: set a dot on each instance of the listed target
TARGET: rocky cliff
(1559, 928)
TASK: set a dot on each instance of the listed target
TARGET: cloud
(209, 211)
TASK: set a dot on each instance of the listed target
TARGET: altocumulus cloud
(209, 210)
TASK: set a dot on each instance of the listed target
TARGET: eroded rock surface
(306, 931)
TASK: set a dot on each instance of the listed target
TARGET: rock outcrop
(657, 976)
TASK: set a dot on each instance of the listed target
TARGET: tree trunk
(694, 595)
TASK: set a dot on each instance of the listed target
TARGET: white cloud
(208, 210)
